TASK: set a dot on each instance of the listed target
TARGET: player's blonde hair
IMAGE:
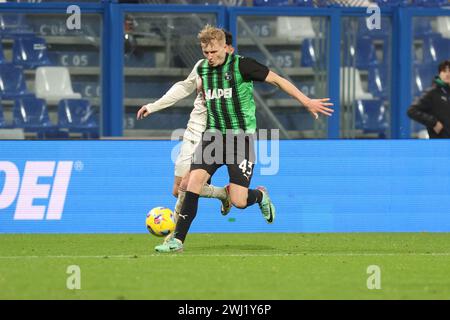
(210, 33)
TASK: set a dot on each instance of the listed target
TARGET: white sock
(179, 204)
(210, 191)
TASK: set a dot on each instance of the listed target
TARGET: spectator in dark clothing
(432, 109)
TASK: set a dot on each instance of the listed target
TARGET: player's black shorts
(236, 151)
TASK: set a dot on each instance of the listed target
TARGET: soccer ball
(160, 221)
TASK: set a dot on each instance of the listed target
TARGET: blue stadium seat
(77, 115)
(311, 53)
(423, 76)
(308, 58)
(377, 81)
(435, 49)
(30, 52)
(371, 116)
(422, 27)
(360, 53)
(378, 40)
(365, 54)
(12, 24)
(270, 3)
(12, 82)
(31, 114)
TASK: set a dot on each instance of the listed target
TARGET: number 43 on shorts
(247, 168)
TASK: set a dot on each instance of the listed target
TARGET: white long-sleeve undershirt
(179, 91)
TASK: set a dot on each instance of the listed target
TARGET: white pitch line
(227, 255)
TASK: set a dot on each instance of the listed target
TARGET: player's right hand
(316, 106)
(142, 113)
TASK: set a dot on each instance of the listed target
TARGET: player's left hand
(142, 113)
(316, 106)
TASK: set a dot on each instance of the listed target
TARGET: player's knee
(175, 192)
(239, 203)
(195, 181)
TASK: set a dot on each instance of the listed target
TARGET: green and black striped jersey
(228, 93)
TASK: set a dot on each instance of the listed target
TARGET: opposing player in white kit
(192, 135)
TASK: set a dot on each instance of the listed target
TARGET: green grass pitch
(227, 266)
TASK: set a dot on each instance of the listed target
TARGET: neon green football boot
(171, 245)
(266, 206)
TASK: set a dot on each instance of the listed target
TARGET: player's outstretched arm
(177, 92)
(315, 106)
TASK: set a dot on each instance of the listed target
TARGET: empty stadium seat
(443, 26)
(309, 56)
(423, 76)
(31, 114)
(12, 82)
(377, 81)
(54, 84)
(30, 52)
(362, 53)
(351, 86)
(295, 28)
(435, 49)
(371, 116)
(422, 27)
(77, 115)
(313, 51)
(365, 53)
(12, 24)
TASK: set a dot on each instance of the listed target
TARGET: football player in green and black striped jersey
(227, 85)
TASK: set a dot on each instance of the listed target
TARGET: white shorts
(184, 159)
